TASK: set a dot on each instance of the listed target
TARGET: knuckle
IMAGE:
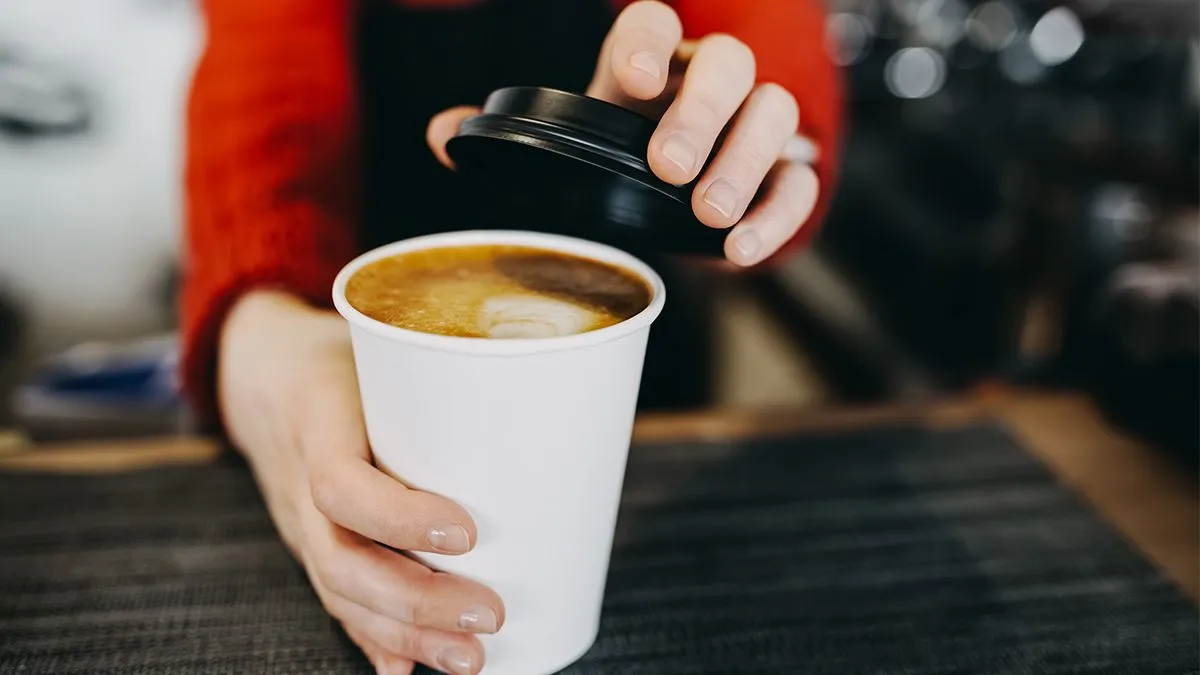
(733, 54)
(750, 163)
(329, 603)
(334, 579)
(656, 13)
(779, 106)
(337, 574)
(330, 597)
(706, 110)
(721, 75)
(408, 642)
(422, 588)
(642, 37)
(327, 493)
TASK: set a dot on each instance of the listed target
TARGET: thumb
(442, 128)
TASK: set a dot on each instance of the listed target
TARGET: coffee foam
(528, 316)
(497, 292)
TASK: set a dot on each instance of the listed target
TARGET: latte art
(496, 292)
(525, 316)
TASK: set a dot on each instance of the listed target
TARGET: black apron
(414, 64)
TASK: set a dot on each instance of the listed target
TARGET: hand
(705, 97)
(289, 395)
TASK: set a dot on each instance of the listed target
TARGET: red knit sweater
(272, 145)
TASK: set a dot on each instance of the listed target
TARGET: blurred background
(1018, 205)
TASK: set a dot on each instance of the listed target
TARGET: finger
(384, 662)
(394, 665)
(717, 81)
(762, 129)
(400, 644)
(442, 127)
(790, 193)
(393, 585)
(636, 57)
(447, 652)
(352, 493)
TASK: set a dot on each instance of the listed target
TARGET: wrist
(265, 299)
(269, 309)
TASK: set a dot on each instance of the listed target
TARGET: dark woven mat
(885, 551)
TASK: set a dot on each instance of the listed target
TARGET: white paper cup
(529, 435)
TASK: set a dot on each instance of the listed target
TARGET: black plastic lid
(570, 164)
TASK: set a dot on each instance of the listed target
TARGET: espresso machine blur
(1017, 201)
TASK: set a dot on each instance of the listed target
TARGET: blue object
(139, 374)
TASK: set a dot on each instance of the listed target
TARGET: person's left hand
(706, 99)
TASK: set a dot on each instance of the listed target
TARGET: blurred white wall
(90, 222)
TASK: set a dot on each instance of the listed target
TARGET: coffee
(496, 291)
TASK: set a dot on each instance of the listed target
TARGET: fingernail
(723, 196)
(647, 63)
(748, 244)
(449, 539)
(680, 151)
(455, 660)
(478, 619)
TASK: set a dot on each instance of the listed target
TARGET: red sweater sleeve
(272, 146)
(788, 40)
(270, 165)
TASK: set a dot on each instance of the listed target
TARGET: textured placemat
(886, 551)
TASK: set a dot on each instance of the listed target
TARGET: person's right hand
(289, 399)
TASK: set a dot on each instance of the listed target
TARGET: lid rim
(553, 154)
(526, 131)
(516, 101)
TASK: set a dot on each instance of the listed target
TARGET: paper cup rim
(506, 347)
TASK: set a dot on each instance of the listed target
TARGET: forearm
(271, 158)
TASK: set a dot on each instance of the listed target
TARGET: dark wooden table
(1153, 502)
